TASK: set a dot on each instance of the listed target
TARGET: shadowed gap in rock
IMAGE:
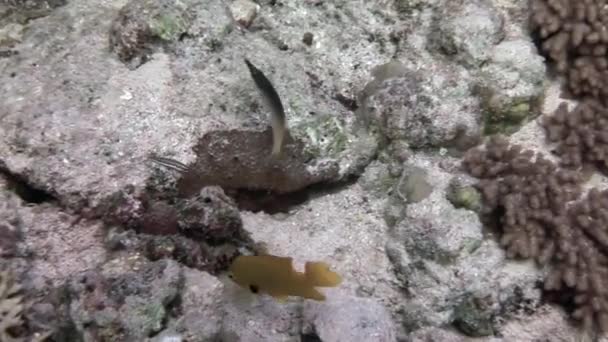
(272, 203)
(22, 188)
(310, 337)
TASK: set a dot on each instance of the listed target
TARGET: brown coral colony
(574, 35)
(540, 206)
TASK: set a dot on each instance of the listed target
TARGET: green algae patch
(323, 136)
(169, 27)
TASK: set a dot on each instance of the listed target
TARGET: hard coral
(574, 34)
(581, 134)
(541, 217)
(529, 193)
(581, 258)
(11, 307)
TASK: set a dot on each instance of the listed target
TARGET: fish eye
(254, 288)
(230, 275)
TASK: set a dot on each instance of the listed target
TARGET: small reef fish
(276, 276)
(272, 100)
(170, 163)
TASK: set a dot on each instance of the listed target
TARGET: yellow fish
(276, 276)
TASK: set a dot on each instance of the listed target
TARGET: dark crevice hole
(272, 203)
(347, 102)
(25, 190)
(310, 337)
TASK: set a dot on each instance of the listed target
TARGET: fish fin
(286, 262)
(314, 294)
(260, 248)
(170, 163)
(278, 119)
(281, 298)
(319, 274)
(276, 150)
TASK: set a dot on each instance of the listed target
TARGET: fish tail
(319, 274)
(170, 163)
(277, 143)
(312, 293)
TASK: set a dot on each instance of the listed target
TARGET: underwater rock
(439, 256)
(345, 318)
(89, 139)
(463, 195)
(546, 321)
(10, 232)
(128, 300)
(194, 254)
(201, 308)
(143, 26)
(407, 7)
(472, 319)
(356, 253)
(210, 216)
(467, 30)
(413, 186)
(160, 218)
(58, 245)
(11, 34)
(511, 85)
(248, 318)
(22, 11)
(432, 228)
(377, 179)
(86, 142)
(240, 159)
(244, 11)
(426, 107)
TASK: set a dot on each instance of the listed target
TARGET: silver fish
(170, 163)
(271, 97)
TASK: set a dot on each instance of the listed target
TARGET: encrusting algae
(276, 276)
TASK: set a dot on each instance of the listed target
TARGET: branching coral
(541, 217)
(11, 307)
(581, 258)
(581, 134)
(530, 193)
(574, 34)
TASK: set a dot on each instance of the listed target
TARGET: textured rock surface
(352, 243)
(110, 247)
(346, 318)
(98, 121)
(547, 322)
(427, 106)
(432, 227)
(202, 308)
(129, 299)
(451, 274)
(468, 30)
(511, 85)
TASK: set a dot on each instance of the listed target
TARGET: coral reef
(541, 215)
(111, 248)
(456, 22)
(141, 24)
(239, 159)
(129, 299)
(580, 134)
(398, 106)
(510, 85)
(573, 35)
(531, 192)
(11, 307)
